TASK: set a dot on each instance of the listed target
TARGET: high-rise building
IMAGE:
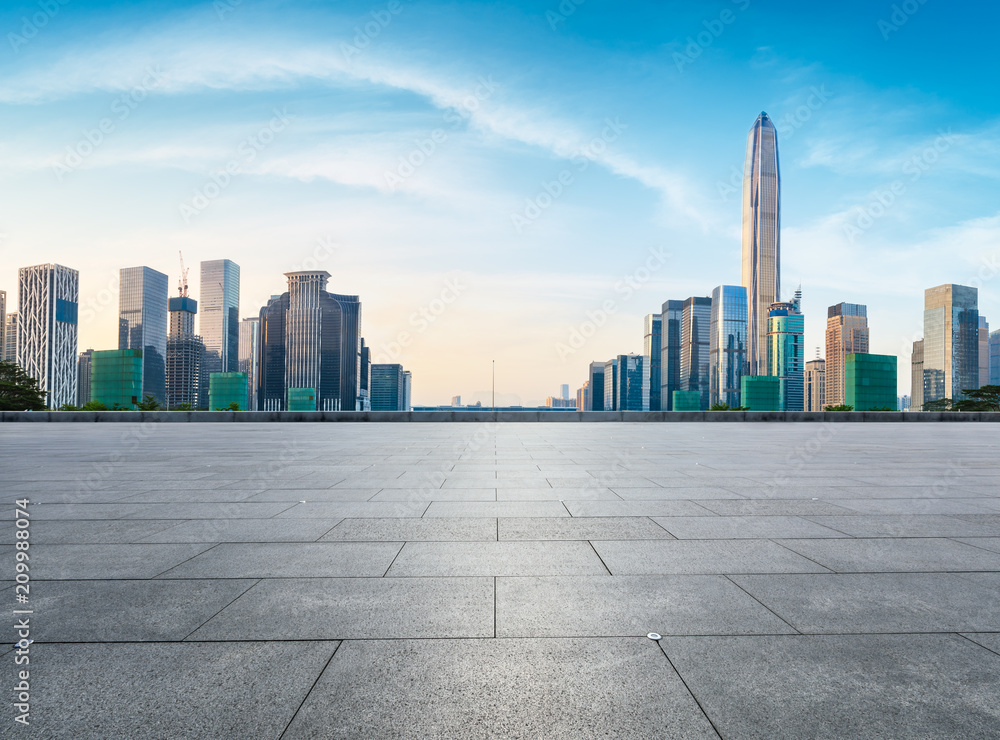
(785, 360)
(3, 324)
(815, 385)
(917, 376)
(596, 380)
(611, 385)
(248, 358)
(995, 357)
(220, 315)
(670, 352)
(583, 397)
(365, 378)
(870, 382)
(727, 345)
(142, 324)
(846, 333)
(653, 349)
(633, 383)
(187, 377)
(48, 299)
(83, 365)
(984, 351)
(761, 236)
(456, 400)
(951, 341)
(310, 338)
(10, 337)
(407, 390)
(565, 391)
(388, 392)
(696, 333)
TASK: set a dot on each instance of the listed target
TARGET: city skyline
(888, 163)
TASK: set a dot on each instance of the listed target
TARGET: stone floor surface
(257, 581)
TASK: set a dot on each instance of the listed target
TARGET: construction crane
(182, 284)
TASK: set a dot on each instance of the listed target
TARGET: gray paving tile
(630, 558)
(78, 512)
(495, 509)
(894, 555)
(864, 525)
(772, 507)
(581, 528)
(175, 690)
(634, 508)
(672, 494)
(188, 495)
(987, 543)
(414, 530)
(596, 493)
(128, 611)
(289, 560)
(443, 494)
(295, 495)
(989, 640)
(909, 506)
(357, 608)
(245, 530)
(877, 602)
(496, 559)
(112, 531)
(595, 606)
(207, 511)
(742, 527)
(499, 688)
(355, 510)
(51, 562)
(888, 686)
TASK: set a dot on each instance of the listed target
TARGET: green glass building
(116, 378)
(686, 401)
(301, 399)
(870, 381)
(760, 392)
(225, 389)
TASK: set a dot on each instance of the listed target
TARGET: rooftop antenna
(182, 284)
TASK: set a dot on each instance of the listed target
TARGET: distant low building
(870, 382)
(116, 378)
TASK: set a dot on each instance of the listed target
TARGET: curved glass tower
(761, 237)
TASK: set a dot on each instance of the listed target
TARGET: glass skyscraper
(3, 325)
(653, 349)
(142, 324)
(388, 388)
(984, 351)
(917, 376)
(249, 358)
(951, 341)
(48, 299)
(696, 331)
(10, 338)
(596, 380)
(727, 344)
(611, 385)
(670, 352)
(786, 329)
(846, 333)
(220, 309)
(632, 393)
(995, 357)
(761, 236)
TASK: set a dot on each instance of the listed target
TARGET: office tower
(116, 378)
(611, 385)
(407, 390)
(951, 341)
(670, 352)
(785, 330)
(846, 333)
(917, 376)
(995, 357)
(220, 315)
(815, 385)
(186, 375)
(761, 236)
(3, 325)
(551, 402)
(903, 403)
(984, 351)
(248, 359)
(310, 339)
(583, 402)
(142, 324)
(633, 383)
(388, 393)
(596, 380)
(365, 378)
(456, 400)
(83, 364)
(696, 332)
(10, 337)
(565, 391)
(653, 349)
(870, 382)
(727, 345)
(48, 298)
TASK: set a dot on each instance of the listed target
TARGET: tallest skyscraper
(761, 237)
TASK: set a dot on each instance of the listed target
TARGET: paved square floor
(256, 581)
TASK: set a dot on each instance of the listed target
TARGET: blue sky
(634, 114)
